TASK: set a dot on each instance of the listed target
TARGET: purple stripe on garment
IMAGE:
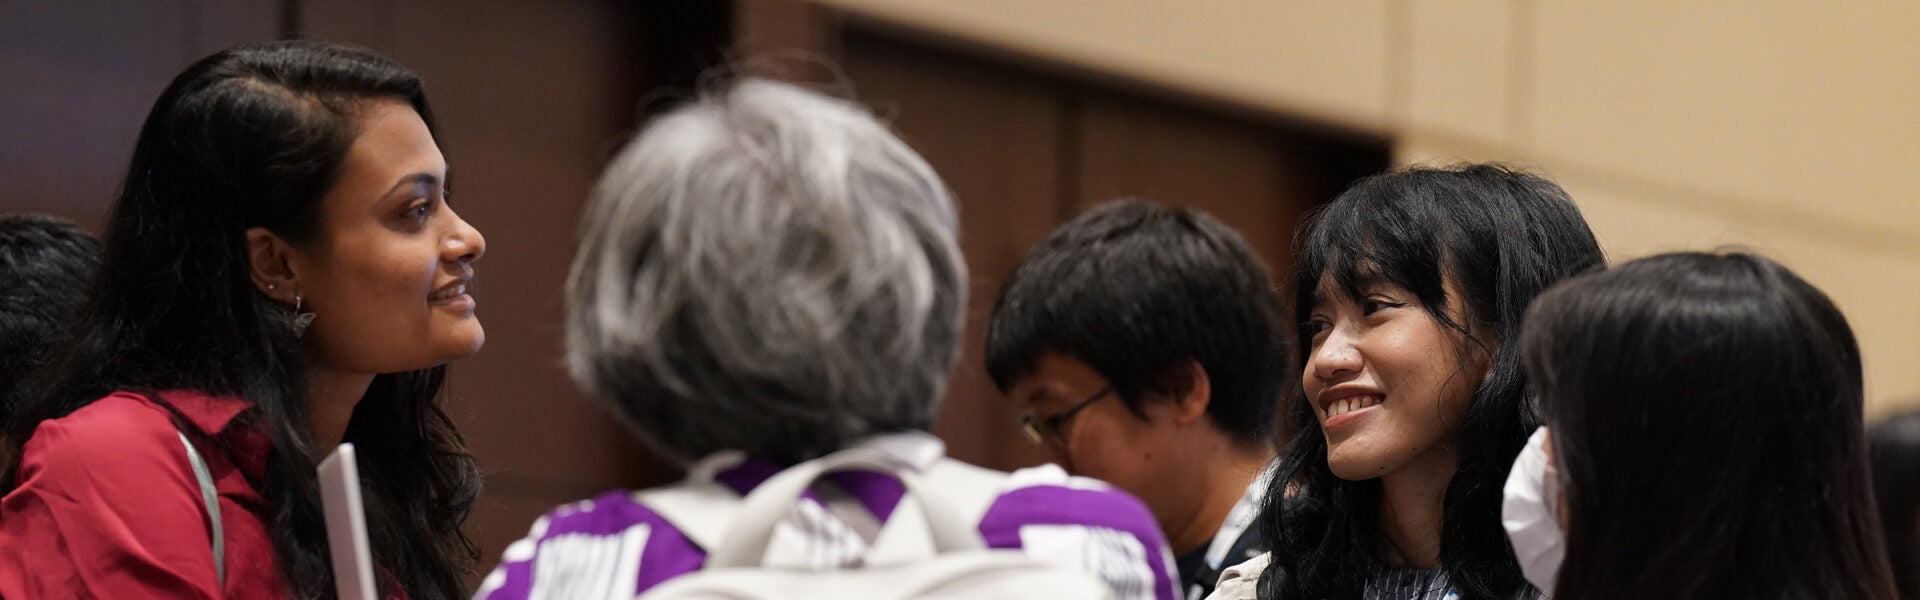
(880, 493)
(668, 553)
(1060, 505)
(517, 583)
(749, 474)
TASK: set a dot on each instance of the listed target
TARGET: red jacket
(107, 505)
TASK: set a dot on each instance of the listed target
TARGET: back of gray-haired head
(766, 269)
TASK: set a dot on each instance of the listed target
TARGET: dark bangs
(1501, 237)
(1372, 234)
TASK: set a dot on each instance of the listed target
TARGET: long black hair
(45, 264)
(1706, 412)
(254, 137)
(1896, 485)
(1501, 237)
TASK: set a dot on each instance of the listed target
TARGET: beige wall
(1784, 127)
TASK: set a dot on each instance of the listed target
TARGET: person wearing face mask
(1703, 438)
(1409, 288)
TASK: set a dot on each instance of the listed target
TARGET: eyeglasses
(1041, 429)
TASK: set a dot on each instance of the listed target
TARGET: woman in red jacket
(282, 273)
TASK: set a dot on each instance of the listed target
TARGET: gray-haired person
(764, 276)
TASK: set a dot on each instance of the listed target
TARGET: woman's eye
(417, 214)
(1314, 327)
(1374, 305)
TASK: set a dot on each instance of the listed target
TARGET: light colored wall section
(1807, 107)
(1781, 126)
(1326, 59)
(1873, 287)
(1459, 69)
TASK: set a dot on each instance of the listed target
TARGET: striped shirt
(618, 545)
(1424, 584)
(1240, 582)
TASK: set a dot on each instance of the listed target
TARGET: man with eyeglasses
(1145, 345)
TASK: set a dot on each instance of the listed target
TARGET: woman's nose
(1334, 358)
(466, 244)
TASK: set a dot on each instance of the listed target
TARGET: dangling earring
(301, 320)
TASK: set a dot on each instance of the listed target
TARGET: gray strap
(752, 528)
(212, 499)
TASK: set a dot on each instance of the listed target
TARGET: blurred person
(1895, 444)
(1409, 289)
(765, 276)
(1145, 344)
(282, 273)
(45, 263)
(1703, 438)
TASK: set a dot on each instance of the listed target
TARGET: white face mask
(1531, 514)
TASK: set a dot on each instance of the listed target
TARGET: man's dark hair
(1136, 291)
(45, 264)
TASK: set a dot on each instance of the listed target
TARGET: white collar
(917, 450)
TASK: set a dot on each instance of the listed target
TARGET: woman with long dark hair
(1703, 417)
(282, 273)
(1409, 289)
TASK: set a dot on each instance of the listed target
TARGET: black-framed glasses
(1039, 430)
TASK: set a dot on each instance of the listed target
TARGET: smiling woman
(282, 274)
(390, 272)
(1409, 289)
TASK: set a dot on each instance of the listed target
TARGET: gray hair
(770, 270)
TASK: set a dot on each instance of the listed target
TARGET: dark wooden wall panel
(79, 77)
(994, 138)
(1025, 146)
(1174, 156)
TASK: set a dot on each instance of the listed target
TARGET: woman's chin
(471, 347)
(463, 343)
(1354, 468)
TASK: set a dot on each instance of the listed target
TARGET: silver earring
(301, 320)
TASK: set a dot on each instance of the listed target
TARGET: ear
(1190, 404)
(1546, 447)
(270, 264)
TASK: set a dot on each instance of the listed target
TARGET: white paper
(346, 525)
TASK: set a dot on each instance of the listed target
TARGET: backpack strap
(966, 489)
(700, 510)
(211, 498)
(753, 527)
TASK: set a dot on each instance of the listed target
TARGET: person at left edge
(282, 273)
(45, 264)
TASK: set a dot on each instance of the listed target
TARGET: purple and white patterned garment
(617, 545)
